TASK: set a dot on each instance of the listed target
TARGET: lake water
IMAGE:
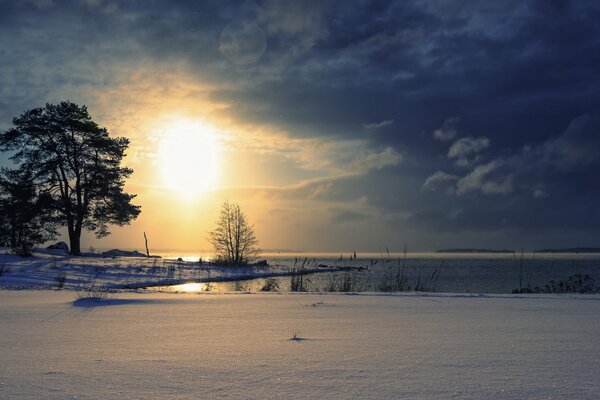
(441, 272)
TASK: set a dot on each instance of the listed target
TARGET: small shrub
(347, 283)
(577, 283)
(270, 285)
(297, 283)
(93, 292)
(397, 282)
(400, 283)
(429, 284)
(331, 283)
(238, 286)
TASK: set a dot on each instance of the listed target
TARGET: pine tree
(77, 164)
(25, 215)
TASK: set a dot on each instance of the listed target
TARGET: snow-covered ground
(368, 346)
(46, 267)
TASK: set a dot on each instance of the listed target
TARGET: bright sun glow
(189, 156)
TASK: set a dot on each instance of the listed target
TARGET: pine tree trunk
(75, 245)
(13, 236)
(75, 242)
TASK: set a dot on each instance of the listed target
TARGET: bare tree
(233, 238)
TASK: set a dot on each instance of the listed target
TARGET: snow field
(188, 346)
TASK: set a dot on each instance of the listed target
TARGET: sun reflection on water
(191, 287)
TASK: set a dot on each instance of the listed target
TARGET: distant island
(571, 250)
(473, 251)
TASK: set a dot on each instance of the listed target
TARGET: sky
(337, 126)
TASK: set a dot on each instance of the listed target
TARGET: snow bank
(47, 267)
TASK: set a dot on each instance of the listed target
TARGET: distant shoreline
(572, 250)
(575, 250)
(473, 251)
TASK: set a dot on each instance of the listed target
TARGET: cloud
(438, 179)
(486, 179)
(579, 145)
(40, 4)
(296, 25)
(104, 6)
(540, 193)
(378, 125)
(330, 71)
(448, 130)
(376, 160)
(347, 216)
(564, 160)
(466, 150)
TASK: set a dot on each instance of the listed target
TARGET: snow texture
(368, 346)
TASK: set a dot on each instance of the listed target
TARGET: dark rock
(123, 253)
(59, 246)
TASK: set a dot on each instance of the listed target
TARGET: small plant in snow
(238, 286)
(348, 282)
(93, 292)
(574, 284)
(270, 285)
(297, 278)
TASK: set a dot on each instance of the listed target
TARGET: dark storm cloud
(483, 99)
(345, 216)
(551, 185)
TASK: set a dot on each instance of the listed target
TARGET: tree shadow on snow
(298, 339)
(93, 302)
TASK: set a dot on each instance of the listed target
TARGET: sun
(189, 155)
